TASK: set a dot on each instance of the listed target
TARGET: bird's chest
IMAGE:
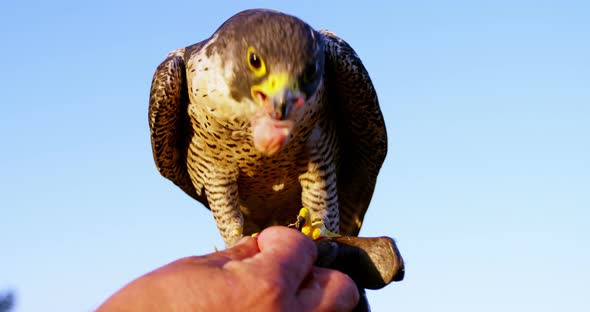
(225, 148)
(223, 153)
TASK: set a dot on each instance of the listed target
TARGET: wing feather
(169, 123)
(361, 130)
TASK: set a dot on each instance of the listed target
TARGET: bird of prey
(265, 117)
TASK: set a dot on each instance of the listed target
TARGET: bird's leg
(223, 201)
(319, 194)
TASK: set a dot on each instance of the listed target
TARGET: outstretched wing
(169, 123)
(361, 130)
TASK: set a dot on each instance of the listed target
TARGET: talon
(315, 230)
(301, 222)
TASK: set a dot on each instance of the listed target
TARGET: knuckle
(273, 287)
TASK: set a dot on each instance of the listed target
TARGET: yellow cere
(272, 84)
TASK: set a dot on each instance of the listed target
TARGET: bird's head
(277, 65)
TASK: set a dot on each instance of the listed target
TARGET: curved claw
(314, 229)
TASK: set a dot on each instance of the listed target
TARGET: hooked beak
(278, 94)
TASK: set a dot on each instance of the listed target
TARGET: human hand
(272, 272)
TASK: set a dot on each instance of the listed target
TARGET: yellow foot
(313, 229)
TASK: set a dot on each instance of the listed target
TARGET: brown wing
(361, 130)
(169, 123)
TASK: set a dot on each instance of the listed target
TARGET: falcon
(265, 117)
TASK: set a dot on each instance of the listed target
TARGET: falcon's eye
(309, 73)
(256, 63)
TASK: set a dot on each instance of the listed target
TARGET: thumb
(247, 247)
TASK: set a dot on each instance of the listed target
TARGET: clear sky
(485, 188)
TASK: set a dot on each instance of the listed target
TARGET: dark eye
(309, 74)
(255, 61)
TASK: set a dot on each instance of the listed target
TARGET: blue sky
(485, 187)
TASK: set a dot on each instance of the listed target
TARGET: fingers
(247, 247)
(328, 290)
(279, 264)
(288, 253)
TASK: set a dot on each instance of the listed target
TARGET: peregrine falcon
(267, 116)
